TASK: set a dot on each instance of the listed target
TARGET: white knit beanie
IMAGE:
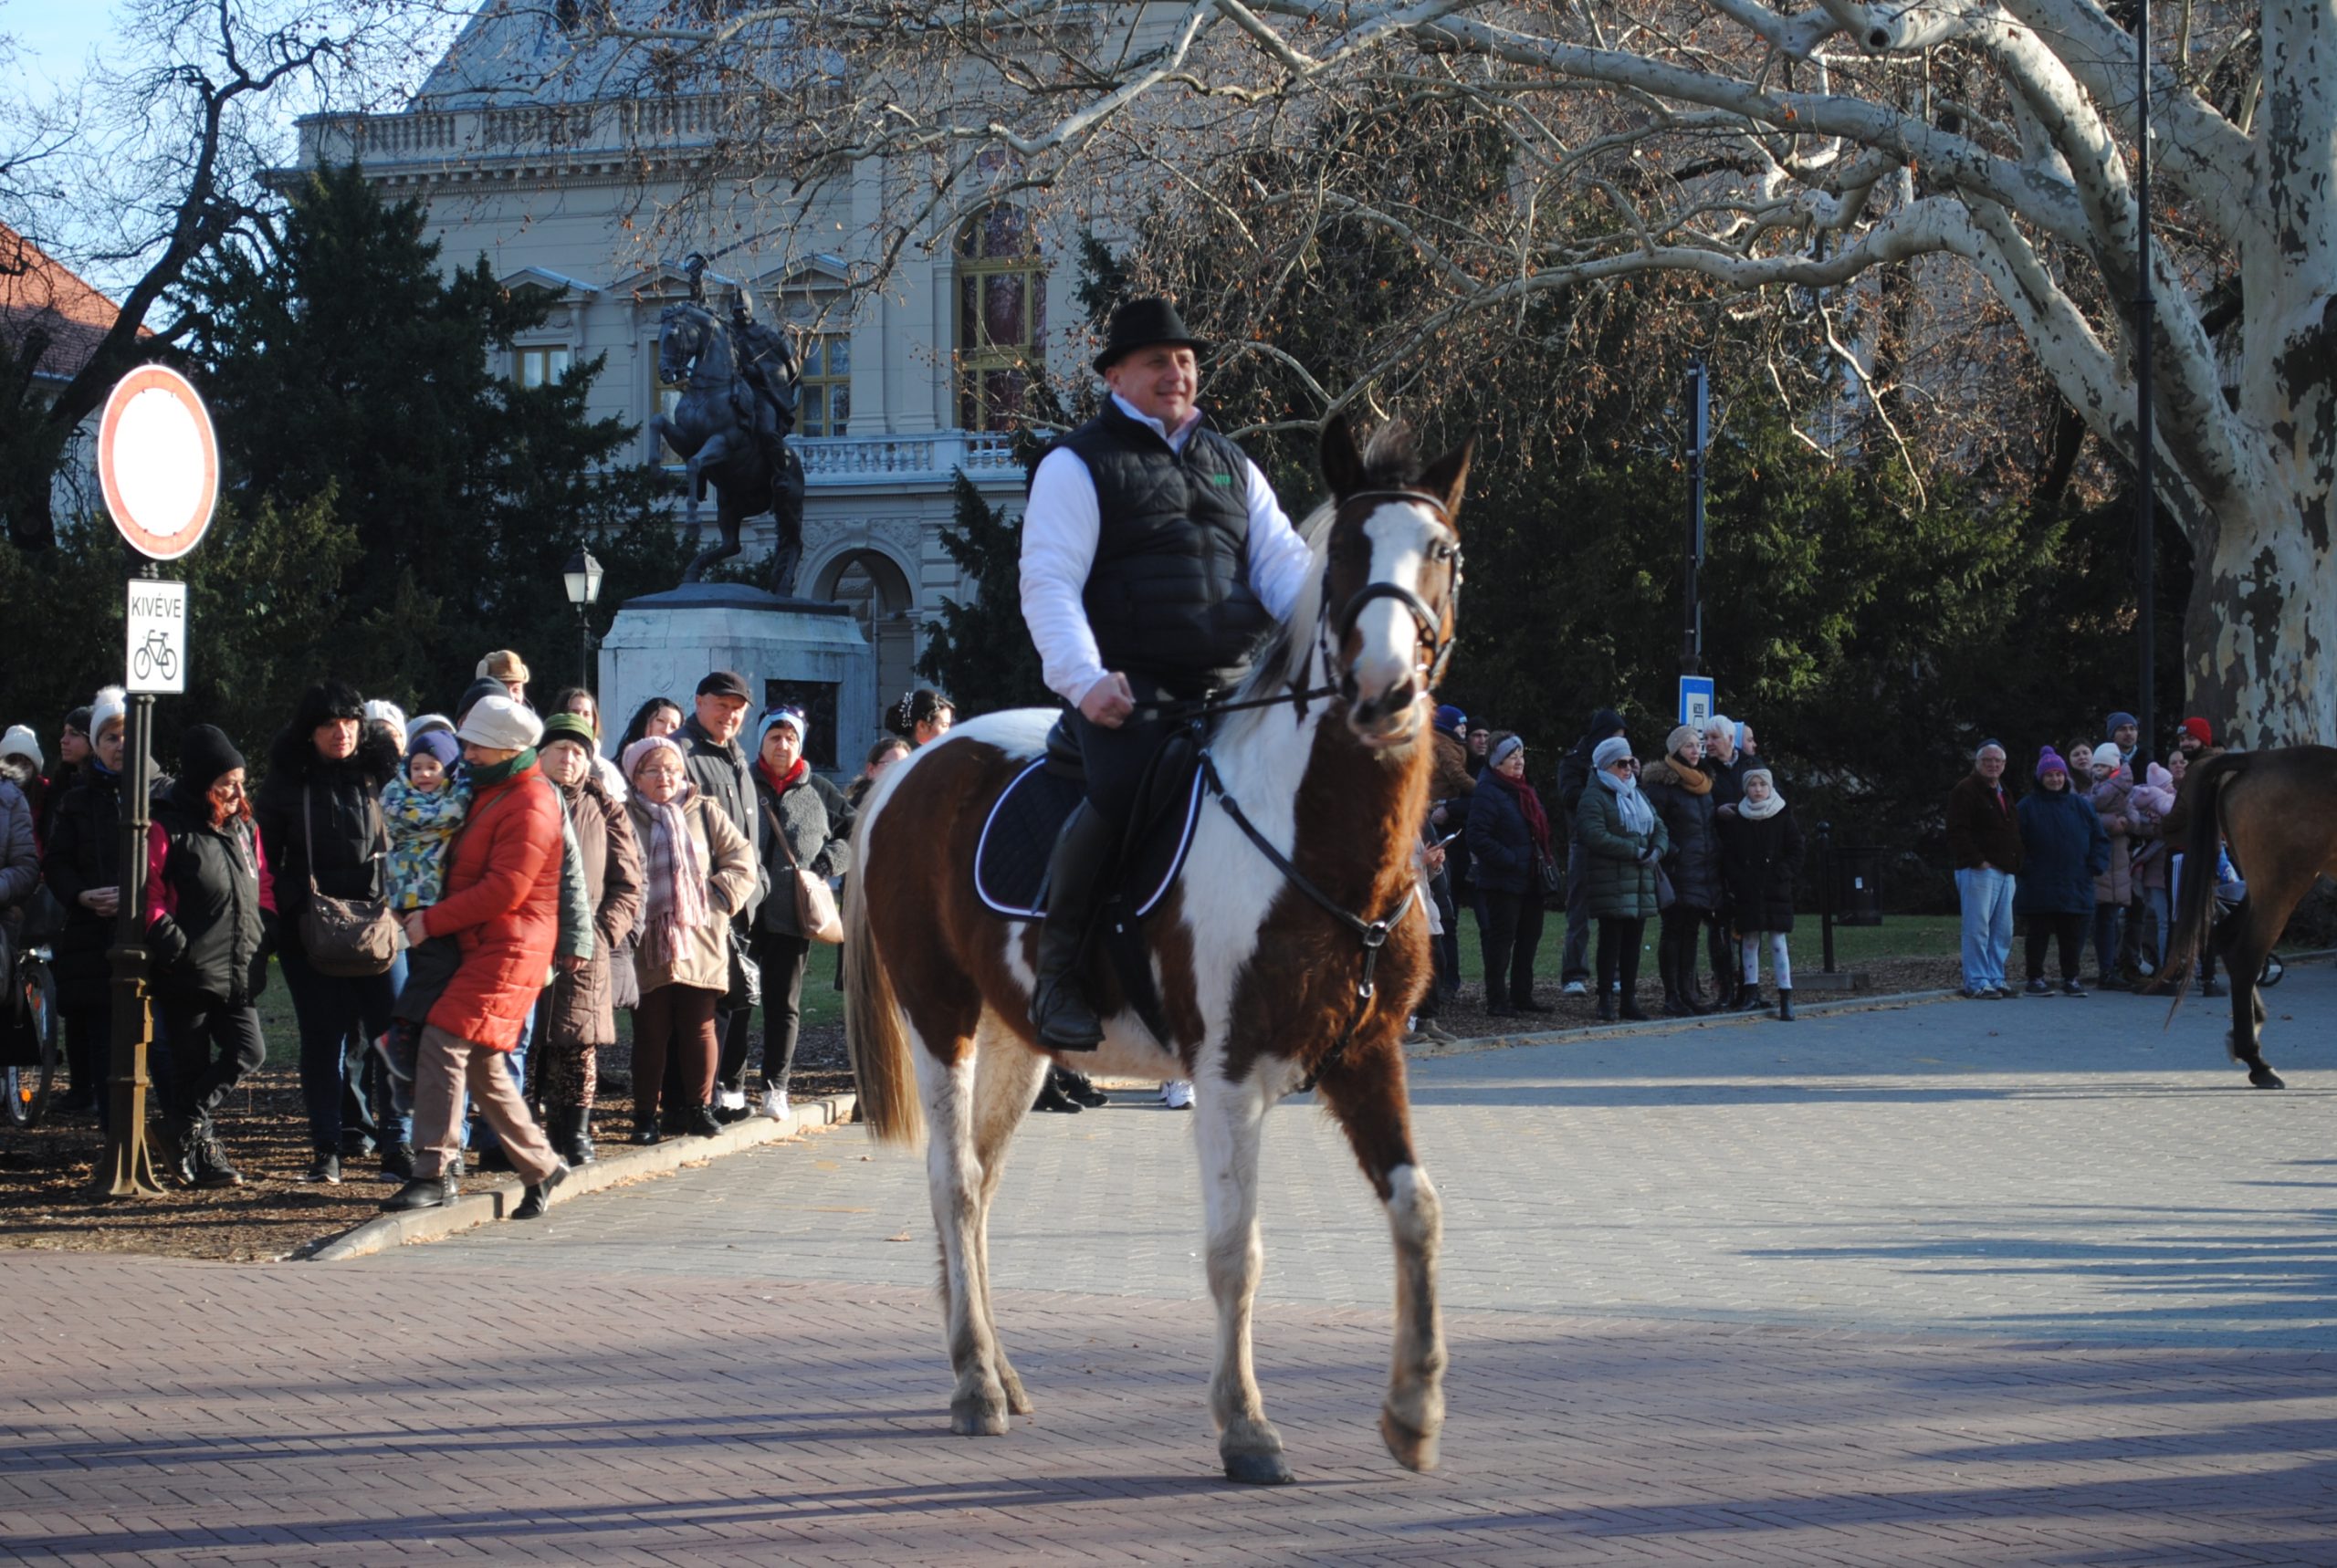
(500, 722)
(20, 741)
(111, 703)
(389, 713)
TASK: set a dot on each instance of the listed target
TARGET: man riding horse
(1154, 557)
(764, 363)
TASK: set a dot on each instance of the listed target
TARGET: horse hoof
(2263, 1077)
(1413, 1449)
(978, 1418)
(1258, 1471)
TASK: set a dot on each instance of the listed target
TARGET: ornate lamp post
(582, 577)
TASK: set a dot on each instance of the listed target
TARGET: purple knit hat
(2049, 761)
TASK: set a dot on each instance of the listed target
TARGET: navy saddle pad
(1011, 863)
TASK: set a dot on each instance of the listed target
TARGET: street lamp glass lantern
(582, 575)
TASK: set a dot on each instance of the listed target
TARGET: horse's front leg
(1366, 1091)
(1228, 1118)
(978, 1405)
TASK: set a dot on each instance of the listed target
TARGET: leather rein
(1434, 644)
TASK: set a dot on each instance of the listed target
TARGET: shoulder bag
(355, 938)
(815, 901)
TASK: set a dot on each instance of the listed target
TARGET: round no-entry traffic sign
(159, 462)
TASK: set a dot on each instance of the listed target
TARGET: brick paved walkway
(2020, 1283)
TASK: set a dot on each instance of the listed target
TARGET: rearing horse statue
(1289, 948)
(730, 437)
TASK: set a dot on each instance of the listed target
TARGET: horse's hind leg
(1006, 1075)
(1228, 1120)
(1367, 1093)
(2246, 935)
(978, 1405)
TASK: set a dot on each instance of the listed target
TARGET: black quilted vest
(1169, 596)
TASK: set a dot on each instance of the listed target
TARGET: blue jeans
(2109, 928)
(337, 1016)
(1987, 897)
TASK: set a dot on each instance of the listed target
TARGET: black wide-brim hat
(1141, 323)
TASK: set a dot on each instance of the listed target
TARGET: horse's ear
(1447, 475)
(1342, 460)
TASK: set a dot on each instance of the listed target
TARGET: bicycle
(153, 654)
(31, 1019)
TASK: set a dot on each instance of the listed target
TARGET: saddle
(1010, 861)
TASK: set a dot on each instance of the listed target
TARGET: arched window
(1001, 317)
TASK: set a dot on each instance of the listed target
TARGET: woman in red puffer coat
(502, 908)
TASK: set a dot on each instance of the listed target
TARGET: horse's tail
(872, 1018)
(2194, 909)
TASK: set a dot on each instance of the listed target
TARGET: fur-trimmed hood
(292, 758)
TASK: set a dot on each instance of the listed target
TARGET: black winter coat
(1573, 768)
(2063, 847)
(724, 775)
(1693, 864)
(209, 936)
(1728, 779)
(1500, 846)
(344, 813)
(1759, 863)
(84, 853)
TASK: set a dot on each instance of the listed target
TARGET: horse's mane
(1390, 461)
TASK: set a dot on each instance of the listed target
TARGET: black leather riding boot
(1060, 1009)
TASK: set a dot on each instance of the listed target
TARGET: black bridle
(1434, 647)
(1427, 623)
(1332, 631)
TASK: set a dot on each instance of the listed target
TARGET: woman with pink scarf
(698, 871)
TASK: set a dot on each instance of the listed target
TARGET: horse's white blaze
(1388, 637)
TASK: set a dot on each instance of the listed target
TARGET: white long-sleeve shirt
(1060, 529)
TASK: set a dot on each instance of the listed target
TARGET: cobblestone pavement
(2023, 1282)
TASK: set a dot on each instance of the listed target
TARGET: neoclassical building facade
(523, 153)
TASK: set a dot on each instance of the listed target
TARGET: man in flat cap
(1154, 557)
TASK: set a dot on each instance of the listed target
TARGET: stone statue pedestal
(796, 651)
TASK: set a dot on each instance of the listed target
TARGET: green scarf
(487, 775)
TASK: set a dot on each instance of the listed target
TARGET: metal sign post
(1692, 641)
(159, 463)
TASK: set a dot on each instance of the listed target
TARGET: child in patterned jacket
(426, 806)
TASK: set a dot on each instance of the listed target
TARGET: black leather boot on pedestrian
(1060, 1009)
(574, 1139)
(1053, 1098)
(1748, 998)
(1785, 1005)
(424, 1192)
(1080, 1087)
(537, 1195)
(182, 1137)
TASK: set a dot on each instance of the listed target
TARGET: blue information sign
(1695, 699)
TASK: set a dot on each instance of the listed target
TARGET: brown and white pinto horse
(1259, 983)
